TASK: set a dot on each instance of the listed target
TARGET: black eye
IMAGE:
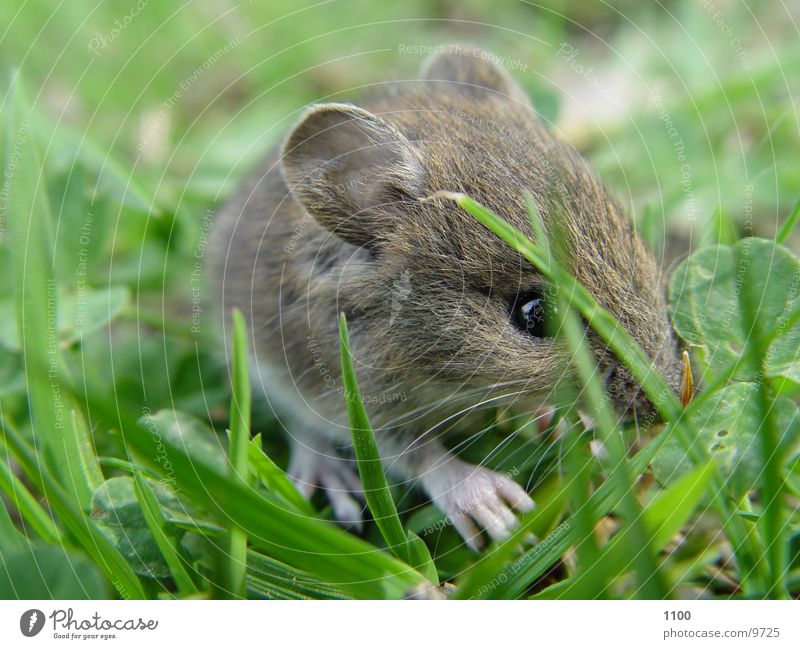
(532, 313)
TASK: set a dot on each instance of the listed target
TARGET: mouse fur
(335, 220)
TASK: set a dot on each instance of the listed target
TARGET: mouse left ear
(472, 71)
(341, 162)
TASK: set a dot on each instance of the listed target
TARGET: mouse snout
(625, 391)
(628, 396)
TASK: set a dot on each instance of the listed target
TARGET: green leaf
(704, 296)
(721, 229)
(185, 432)
(410, 548)
(727, 425)
(420, 557)
(118, 513)
(166, 542)
(49, 572)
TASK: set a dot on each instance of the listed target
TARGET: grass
(129, 448)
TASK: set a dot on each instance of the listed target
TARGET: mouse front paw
(312, 469)
(476, 499)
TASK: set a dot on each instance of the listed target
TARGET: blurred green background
(203, 88)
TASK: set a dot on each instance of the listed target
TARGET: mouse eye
(532, 313)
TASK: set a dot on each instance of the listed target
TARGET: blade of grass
(579, 464)
(267, 577)
(28, 507)
(94, 542)
(274, 479)
(788, 225)
(721, 229)
(157, 524)
(569, 328)
(30, 230)
(237, 453)
(772, 524)
(81, 458)
(409, 548)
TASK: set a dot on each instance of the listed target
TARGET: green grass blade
(86, 474)
(94, 543)
(570, 329)
(237, 453)
(31, 237)
(376, 489)
(373, 478)
(420, 557)
(773, 526)
(34, 282)
(788, 225)
(28, 507)
(157, 525)
(274, 479)
(273, 579)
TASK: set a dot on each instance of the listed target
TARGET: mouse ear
(341, 162)
(472, 71)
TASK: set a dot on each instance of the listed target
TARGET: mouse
(445, 320)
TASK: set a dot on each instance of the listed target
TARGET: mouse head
(441, 299)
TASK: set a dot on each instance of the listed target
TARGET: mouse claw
(311, 470)
(478, 500)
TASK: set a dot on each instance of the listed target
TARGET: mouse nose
(629, 397)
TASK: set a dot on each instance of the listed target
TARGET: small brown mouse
(444, 318)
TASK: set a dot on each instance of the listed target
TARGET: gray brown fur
(334, 222)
